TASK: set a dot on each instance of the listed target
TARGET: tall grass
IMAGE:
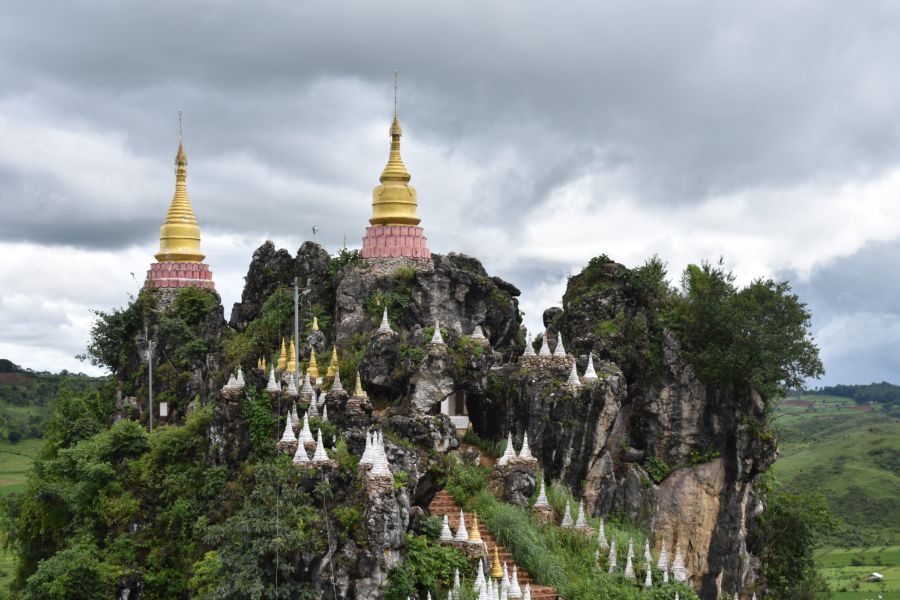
(564, 558)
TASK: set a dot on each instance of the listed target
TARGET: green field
(846, 571)
(15, 462)
(852, 456)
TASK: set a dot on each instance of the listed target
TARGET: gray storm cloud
(509, 108)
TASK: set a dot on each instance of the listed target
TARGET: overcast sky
(538, 135)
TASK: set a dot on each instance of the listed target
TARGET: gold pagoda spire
(313, 369)
(394, 201)
(333, 365)
(474, 534)
(315, 324)
(496, 568)
(292, 359)
(282, 357)
(179, 236)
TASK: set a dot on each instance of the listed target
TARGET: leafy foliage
(657, 468)
(786, 541)
(428, 566)
(758, 336)
(464, 481)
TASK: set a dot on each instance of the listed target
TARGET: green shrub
(427, 567)
(657, 468)
(464, 481)
(494, 449)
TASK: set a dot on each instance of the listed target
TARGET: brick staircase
(444, 504)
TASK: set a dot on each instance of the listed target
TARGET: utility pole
(150, 378)
(296, 323)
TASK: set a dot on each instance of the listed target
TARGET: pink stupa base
(179, 275)
(394, 241)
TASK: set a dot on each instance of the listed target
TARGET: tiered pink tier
(394, 241)
(179, 275)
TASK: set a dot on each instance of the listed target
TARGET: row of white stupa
(677, 568)
(436, 338)
(560, 352)
(306, 436)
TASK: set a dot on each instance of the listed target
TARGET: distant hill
(851, 453)
(26, 398)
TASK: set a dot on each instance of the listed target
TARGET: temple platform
(395, 241)
(179, 275)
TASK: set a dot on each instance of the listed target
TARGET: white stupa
(612, 557)
(589, 373)
(385, 326)
(320, 455)
(437, 338)
(602, 542)
(380, 467)
(313, 410)
(307, 387)
(366, 458)
(306, 436)
(461, 534)
(679, 573)
(325, 413)
(455, 591)
(573, 377)
(581, 520)
(648, 580)
(479, 574)
(336, 385)
(231, 384)
(567, 518)
(648, 558)
(630, 548)
(676, 596)
(529, 349)
(665, 575)
(629, 568)
(527, 595)
(272, 387)
(663, 563)
(560, 350)
(504, 581)
(514, 590)
(240, 378)
(477, 333)
(508, 453)
(288, 435)
(446, 534)
(525, 452)
(292, 386)
(545, 347)
(300, 456)
(542, 497)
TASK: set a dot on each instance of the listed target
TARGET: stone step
(444, 504)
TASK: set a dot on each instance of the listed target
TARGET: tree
(758, 336)
(786, 540)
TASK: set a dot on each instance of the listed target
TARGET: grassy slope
(852, 457)
(15, 462)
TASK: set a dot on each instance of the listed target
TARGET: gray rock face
(431, 384)
(271, 268)
(457, 289)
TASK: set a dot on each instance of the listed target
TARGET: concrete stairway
(444, 504)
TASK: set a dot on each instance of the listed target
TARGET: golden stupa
(179, 236)
(496, 567)
(359, 392)
(394, 201)
(313, 369)
(315, 325)
(474, 534)
(292, 359)
(282, 357)
(333, 365)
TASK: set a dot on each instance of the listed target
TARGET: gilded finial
(315, 324)
(292, 359)
(396, 77)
